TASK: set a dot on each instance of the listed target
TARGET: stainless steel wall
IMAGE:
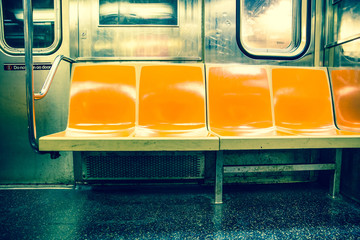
(137, 42)
(220, 37)
(18, 163)
(342, 46)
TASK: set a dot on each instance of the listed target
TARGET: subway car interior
(180, 119)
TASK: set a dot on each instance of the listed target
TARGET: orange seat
(239, 101)
(239, 104)
(106, 114)
(102, 105)
(102, 99)
(172, 101)
(240, 109)
(302, 101)
(346, 92)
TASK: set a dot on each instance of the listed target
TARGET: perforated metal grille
(143, 167)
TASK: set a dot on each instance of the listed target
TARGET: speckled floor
(294, 211)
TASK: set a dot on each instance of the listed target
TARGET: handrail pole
(45, 88)
(28, 37)
(29, 77)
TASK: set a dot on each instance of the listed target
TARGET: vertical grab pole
(28, 37)
(29, 78)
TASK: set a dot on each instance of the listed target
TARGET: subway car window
(349, 27)
(138, 12)
(45, 26)
(273, 28)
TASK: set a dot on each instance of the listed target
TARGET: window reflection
(267, 24)
(138, 12)
(349, 12)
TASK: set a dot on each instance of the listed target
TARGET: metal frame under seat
(222, 170)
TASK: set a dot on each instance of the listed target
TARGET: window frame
(300, 42)
(36, 51)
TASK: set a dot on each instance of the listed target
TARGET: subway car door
(19, 163)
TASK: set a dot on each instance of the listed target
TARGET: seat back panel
(239, 98)
(346, 92)
(102, 98)
(172, 97)
(302, 99)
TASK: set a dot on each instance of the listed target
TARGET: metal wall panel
(343, 34)
(220, 37)
(140, 42)
(18, 163)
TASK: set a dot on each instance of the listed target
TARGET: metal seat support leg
(219, 177)
(335, 181)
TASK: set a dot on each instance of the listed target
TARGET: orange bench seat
(135, 107)
(263, 107)
(290, 109)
